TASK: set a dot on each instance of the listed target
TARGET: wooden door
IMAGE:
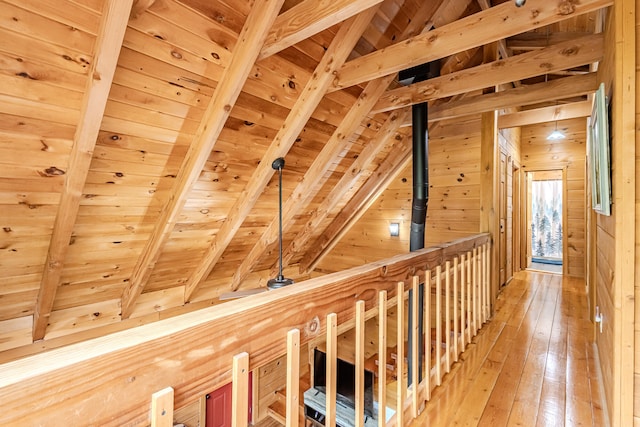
(502, 250)
(219, 405)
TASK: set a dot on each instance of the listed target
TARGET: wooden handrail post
(293, 378)
(463, 304)
(382, 359)
(469, 298)
(360, 327)
(447, 316)
(456, 302)
(400, 359)
(415, 360)
(162, 408)
(332, 355)
(438, 325)
(240, 390)
(427, 332)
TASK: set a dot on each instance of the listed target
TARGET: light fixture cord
(280, 276)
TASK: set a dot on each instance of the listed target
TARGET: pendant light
(279, 281)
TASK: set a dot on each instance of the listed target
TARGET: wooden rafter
(546, 114)
(100, 77)
(358, 205)
(308, 18)
(313, 179)
(466, 33)
(250, 41)
(553, 58)
(502, 45)
(387, 135)
(566, 87)
(534, 41)
(343, 43)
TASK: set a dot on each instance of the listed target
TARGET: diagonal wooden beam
(387, 135)
(341, 46)
(481, 28)
(564, 55)
(537, 40)
(502, 45)
(358, 205)
(108, 44)
(566, 87)
(250, 41)
(313, 179)
(308, 18)
(545, 114)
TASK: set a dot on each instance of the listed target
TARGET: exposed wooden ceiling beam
(387, 135)
(566, 87)
(553, 58)
(358, 205)
(250, 41)
(545, 114)
(99, 79)
(308, 18)
(534, 41)
(505, 19)
(340, 48)
(313, 179)
(502, 46)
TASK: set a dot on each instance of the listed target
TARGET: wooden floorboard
(531, 365)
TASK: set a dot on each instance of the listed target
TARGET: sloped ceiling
(137, 136)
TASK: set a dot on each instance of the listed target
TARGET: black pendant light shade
(280, 281)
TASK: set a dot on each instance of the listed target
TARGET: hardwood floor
(531, 365)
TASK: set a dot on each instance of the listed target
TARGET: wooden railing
(116, 379)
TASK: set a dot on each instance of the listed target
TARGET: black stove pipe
(420, 176)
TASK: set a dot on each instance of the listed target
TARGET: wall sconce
(394, 229)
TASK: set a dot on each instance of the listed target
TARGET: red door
(219, 405)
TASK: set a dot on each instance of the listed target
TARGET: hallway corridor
(531, 365)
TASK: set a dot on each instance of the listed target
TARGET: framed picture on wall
(599, 152)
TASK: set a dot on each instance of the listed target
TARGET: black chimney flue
(420, 127)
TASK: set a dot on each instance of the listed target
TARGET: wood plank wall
(636, 371)
(454, 200)
(569, 153)
(604, 254)
(616, 264)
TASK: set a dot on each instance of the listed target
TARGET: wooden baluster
(359, 419)
(463, 305)
(487, 278)
(447, 316)
(415, 362)
(293, 378)
(240, 390)
(481, 285)
(475, 291)
(400, 359)
(427, 333)
(162, 408)
(455, 308)
(438, 325)
(382, 359)
(469, 298)
(330, 370)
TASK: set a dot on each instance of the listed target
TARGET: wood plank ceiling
(137, 136)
